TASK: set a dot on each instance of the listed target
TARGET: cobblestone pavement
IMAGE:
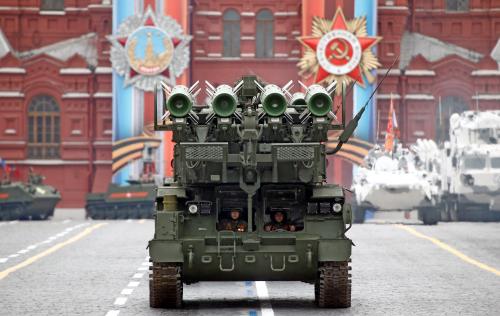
(72, 266)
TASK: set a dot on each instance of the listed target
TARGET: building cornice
(75, 95)
(11, 94)
(12, 70)
(103, 95)
(420, 72)
(486, 97)
(485, 72)
(419, 97)
(75, 71)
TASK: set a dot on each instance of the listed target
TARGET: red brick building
(55, 92)
(55, 75)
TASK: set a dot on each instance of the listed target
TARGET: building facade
(55, 93)
(449, 62)
(56, 86)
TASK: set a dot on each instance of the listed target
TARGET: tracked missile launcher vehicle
(131, 201)
(471, 167)
(32, 200)
(249, 198)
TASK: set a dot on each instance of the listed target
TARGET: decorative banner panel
(146, 47)
(366, 10)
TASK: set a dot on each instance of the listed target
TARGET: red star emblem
(338, 51)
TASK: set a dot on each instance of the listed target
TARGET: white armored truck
(471, 167)
(405, 180)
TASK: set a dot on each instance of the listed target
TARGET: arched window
(264, 39)
(231, 23)
(43, 128)
(457, 5)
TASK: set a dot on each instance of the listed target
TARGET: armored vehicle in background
(401, 181)
(132, 201)
(471, 167)
(249, 198)
(31, 200)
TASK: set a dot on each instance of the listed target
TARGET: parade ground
(72, 266)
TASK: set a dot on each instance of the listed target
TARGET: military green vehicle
(134, 200)
(31, 200)
(249, 198)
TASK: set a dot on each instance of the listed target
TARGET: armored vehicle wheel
(165, 286)
(454, 211)
(333, 285)
(429, 215)
(445, 212)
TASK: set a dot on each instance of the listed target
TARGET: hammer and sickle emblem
(339, 51)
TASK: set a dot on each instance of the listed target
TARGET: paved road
(69, 266)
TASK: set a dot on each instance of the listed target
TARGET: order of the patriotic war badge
(338, 50)
(148, 48)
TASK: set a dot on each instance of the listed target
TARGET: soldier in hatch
(279, 222)
(234, 223)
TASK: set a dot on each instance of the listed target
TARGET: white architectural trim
(75, 71)
(419, 72)
(209, 13)
(48, 162)
(75, 9)
(102, 5)
(11, 94)
(295, 33)
(286, 13)
(247, 13)
(12, 70)
(485, 72)
(487, 97)
(393, 72)
(247, 55)
(248, 38)
(75, 95)
(102, 142)
(103, 95)
(419, 97)
(388, 96)
(199, 32)
(280, 55)
(51, 12)
(214, 38)
(214, 55)
(103, 162)
(295, 52)
(200, 51)
(390, 7)
(281, 38)
(103, 70)
(7, 8)
(12, 142)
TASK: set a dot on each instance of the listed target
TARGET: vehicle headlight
(193, 208)
(337, 207)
